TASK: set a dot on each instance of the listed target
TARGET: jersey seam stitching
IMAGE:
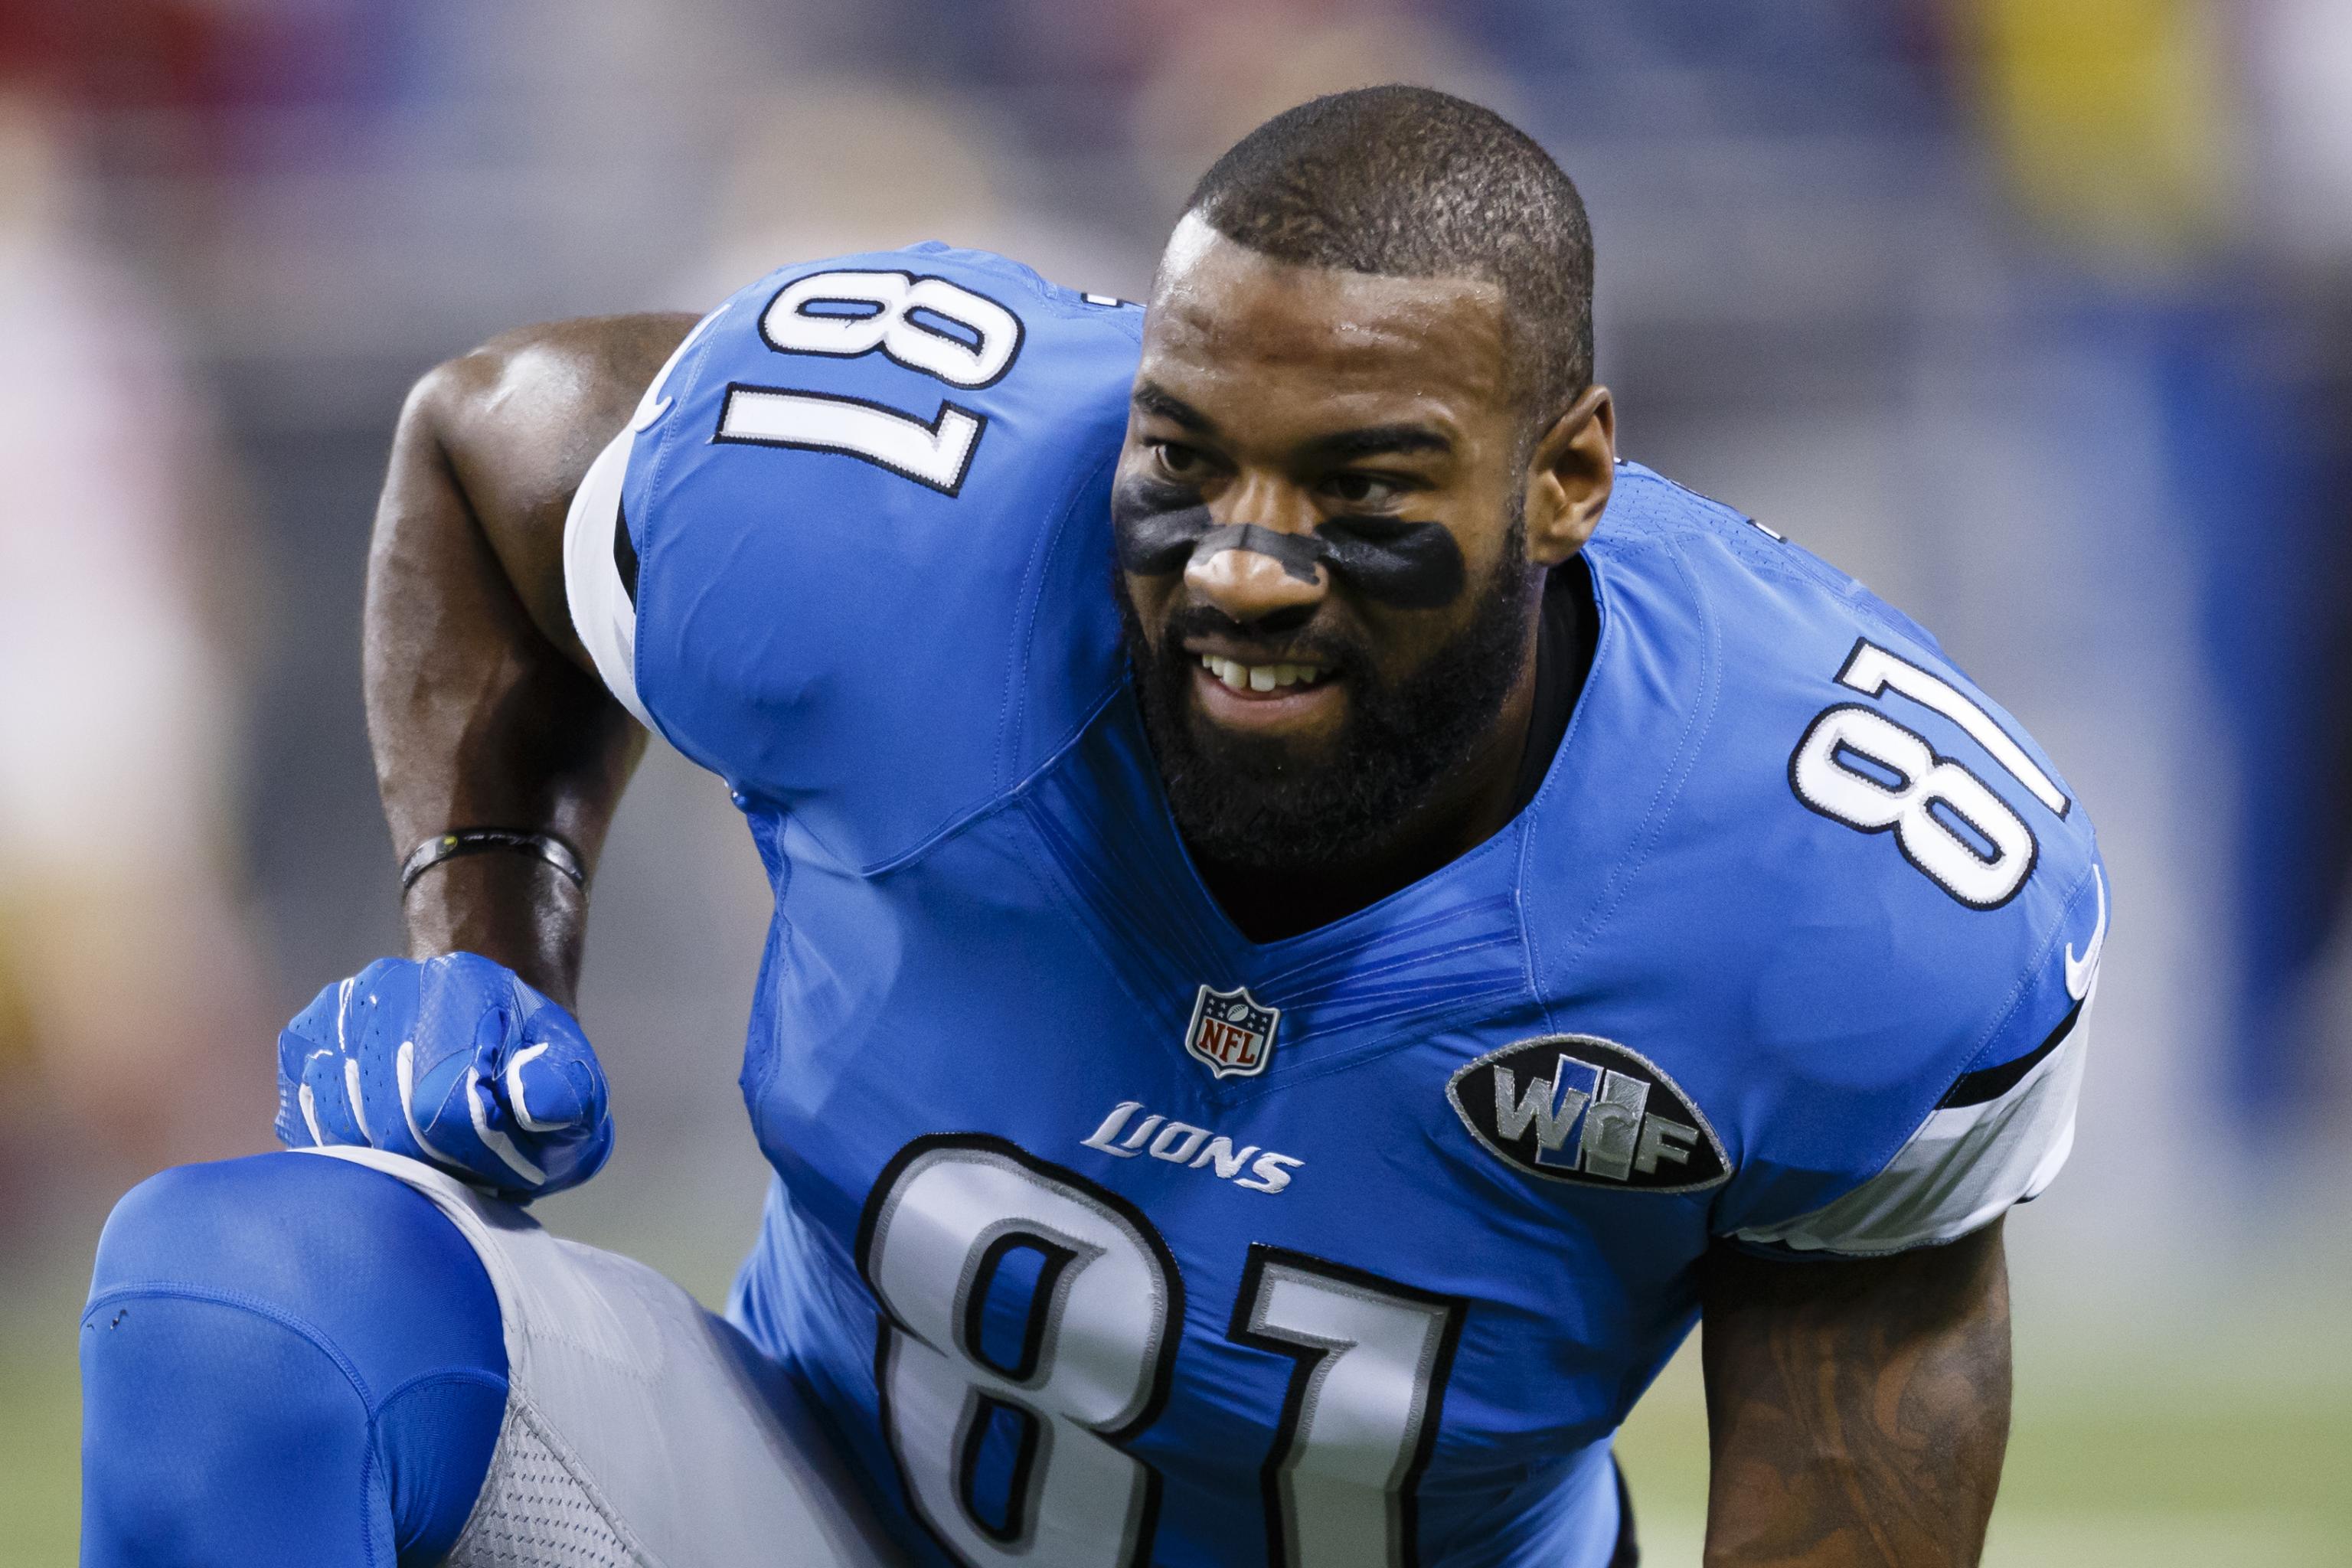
(1669, 791)
(1024, 636)
(1003, 798)
(450, 1375)
(294, 1325)
(371, 1474)
(425, 1379)
(691, 371)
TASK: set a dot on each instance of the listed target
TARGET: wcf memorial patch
(1576, 1108)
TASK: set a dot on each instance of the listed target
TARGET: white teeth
(1239, 677)
(1229, 672)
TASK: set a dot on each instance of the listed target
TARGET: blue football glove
(453, 1061)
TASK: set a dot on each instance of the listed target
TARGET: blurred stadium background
(2030, 312)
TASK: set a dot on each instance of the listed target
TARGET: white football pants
(640, 1429)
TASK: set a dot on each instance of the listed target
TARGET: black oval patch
(1576, 1108)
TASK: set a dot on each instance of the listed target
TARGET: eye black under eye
(1372, 528)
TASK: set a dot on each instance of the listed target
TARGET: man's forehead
(1217, 300)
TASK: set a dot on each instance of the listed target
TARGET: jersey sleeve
(600, 559)
(852, 553)
(603, 607)
(1882, 904)
(1997, 1137)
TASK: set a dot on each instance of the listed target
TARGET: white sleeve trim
(1964, 1166)
(602, 611)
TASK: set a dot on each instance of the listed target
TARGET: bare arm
(482, 707)
(1857, 1411)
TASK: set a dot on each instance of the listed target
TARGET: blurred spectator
(2198, 158)
(130, 1015)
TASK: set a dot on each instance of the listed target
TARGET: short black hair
(1408, 182)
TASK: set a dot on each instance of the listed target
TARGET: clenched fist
(455, 1061)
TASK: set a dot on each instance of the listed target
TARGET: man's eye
(1362, 489)
(1180, 462)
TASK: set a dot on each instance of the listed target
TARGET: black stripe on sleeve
(1991, 1083)
(625, 554)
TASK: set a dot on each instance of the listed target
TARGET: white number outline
(1135, 1550)
(1313, 1359)
(897, 312)
(937, 453)
(1909, 811)
(1871, 670)
(1874, 671)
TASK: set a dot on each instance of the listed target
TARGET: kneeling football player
(1322, 922)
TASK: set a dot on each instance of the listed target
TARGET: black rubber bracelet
(459, 841)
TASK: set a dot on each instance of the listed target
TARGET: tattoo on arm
(1857, 1412)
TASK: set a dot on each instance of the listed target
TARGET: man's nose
(1246, 584)
(1250, 586)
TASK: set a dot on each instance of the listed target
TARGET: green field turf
(40, 1431)
(2147, 1450)
(2216, 1438)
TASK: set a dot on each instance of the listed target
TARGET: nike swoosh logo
(2080, 971)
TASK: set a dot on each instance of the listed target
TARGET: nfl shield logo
(1231, 1034)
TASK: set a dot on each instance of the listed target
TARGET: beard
(1254, 803)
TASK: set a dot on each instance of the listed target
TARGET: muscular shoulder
(1837, 741)
(1810, 691)
(862, 535)
(520, 418)
(1864, 872)
(538, 402)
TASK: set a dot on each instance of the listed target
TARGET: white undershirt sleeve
(603, 613)
(595, 538)
(1991, 1144)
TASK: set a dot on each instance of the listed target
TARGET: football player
(1322, 922)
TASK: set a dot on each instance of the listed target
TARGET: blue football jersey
(1106, 1235)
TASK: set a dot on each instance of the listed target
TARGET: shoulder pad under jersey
(1860, 903)
(853, 553)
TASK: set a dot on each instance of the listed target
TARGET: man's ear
(1569, 477)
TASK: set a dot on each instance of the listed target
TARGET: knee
(243, 1221)
(171, 1226)
(285, 1344)
(341, 1254)
(341, 1247)
(200, 1416)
